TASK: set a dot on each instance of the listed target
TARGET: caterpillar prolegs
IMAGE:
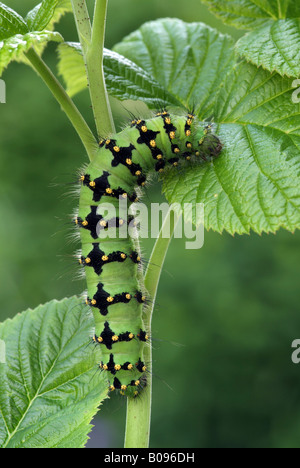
(112, 265)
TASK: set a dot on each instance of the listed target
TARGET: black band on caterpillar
(102, 299)
(108, 337)
(95, 222)
(113, 367)
(97, 258)
(115, 293)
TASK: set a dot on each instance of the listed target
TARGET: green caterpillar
(113, 265)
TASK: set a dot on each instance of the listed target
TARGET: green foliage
(274, 46)
(10, 22)
(189, 60)
(166, 60)
(14, 47)
(274, 42)
(254, 185)
(49, 387)
(195, 65)
(53, 13)
(38, 18)
(187, 64)
(248, 14)
(244, 189)
(124, 79)
(18, 35)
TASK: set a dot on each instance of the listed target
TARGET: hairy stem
(139, 411)
(65, 102)
(92, 42)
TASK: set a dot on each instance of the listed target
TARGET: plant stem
(83, 23)
(99, 96)
(92, 42)
(139, 411)
(65, 101)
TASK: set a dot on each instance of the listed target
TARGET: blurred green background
(226, 315)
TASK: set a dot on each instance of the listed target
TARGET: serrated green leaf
(47, 14)
(249, 14)
(14, 47)
(274, 46)
(255, 183)
(38, 18)
(254, 116)
(63, 6)
(11, 22)
(124, 79)
(274, 42)
(49, 385)
(190, 60)
(15, 35)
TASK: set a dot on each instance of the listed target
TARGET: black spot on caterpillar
(114, 290)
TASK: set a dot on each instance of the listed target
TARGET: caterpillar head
(209, 145)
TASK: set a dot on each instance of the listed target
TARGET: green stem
(83, 24)
(65, 101)
(139, 411)
(102, 110)
(92, 43)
